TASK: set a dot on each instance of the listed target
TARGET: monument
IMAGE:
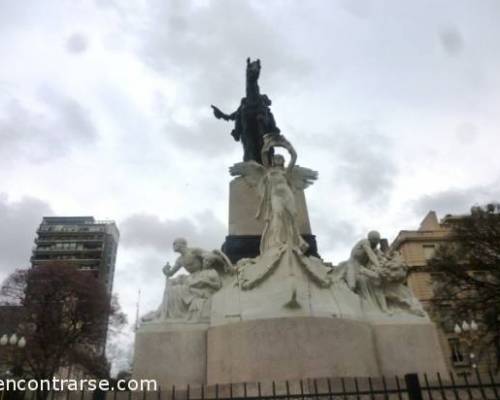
(278, 311)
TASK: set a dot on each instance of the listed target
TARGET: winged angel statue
(276, 184)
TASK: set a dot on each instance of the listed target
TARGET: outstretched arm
(220, 115)
(169, 271)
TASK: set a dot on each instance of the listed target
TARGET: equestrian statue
(253, 119)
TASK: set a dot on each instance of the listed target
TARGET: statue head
(179, 244)
(253, 69)
(374, 238)
(278, 160)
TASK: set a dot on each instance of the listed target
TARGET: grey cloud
(358, 8)
(140, 269)
(18, 223)
(336, 234)
(75, 118)
(146, 268)
(206, 47)
(207, 137)
(452, 41)
(365, 161)
(77, 43)
(41, 135)
(456, 201)
(107, 4)
(119, 350)
(15, 14)
(147, 230)
(466, 132)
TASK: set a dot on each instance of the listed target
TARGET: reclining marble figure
(187, 297)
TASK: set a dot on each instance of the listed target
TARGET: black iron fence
(410, 387)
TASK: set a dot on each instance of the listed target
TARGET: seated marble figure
(186, 298)
(379, 278)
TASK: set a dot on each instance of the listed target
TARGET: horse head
(253, 70)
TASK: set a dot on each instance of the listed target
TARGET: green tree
(468, 267)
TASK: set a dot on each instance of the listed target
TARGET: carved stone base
(237, 247)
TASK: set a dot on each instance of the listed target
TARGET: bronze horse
(253, 119)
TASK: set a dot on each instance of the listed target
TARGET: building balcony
(72, 260)
(70, 230)
(66, 251)
(56, 239)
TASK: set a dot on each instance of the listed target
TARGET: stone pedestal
(308, 347)
(245, 230)
(172, 354)
(243, 204)
(290, 348)
(408, 347)
(279, 349)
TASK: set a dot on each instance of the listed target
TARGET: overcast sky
(104, 111)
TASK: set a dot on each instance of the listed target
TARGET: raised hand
(167, 270)
(217, 113)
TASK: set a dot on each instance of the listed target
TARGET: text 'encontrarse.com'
(59, 385)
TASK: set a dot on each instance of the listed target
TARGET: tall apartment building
(416, 248)
(89, 244)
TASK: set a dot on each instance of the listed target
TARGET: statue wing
(301, 177)
(227, 265)
(251, 171)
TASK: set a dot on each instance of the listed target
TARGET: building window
(457, 356)
(429, 250)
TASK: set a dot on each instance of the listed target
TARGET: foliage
(469, 272)
(65, 318)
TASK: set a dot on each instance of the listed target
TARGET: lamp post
(468, 333)
(13, 344)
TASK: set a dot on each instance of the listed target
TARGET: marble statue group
(267, 306)
(377, 278)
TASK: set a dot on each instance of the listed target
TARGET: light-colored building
(417, 247)
(89, 244)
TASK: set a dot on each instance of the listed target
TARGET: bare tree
(469, 274)
(65, 318)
